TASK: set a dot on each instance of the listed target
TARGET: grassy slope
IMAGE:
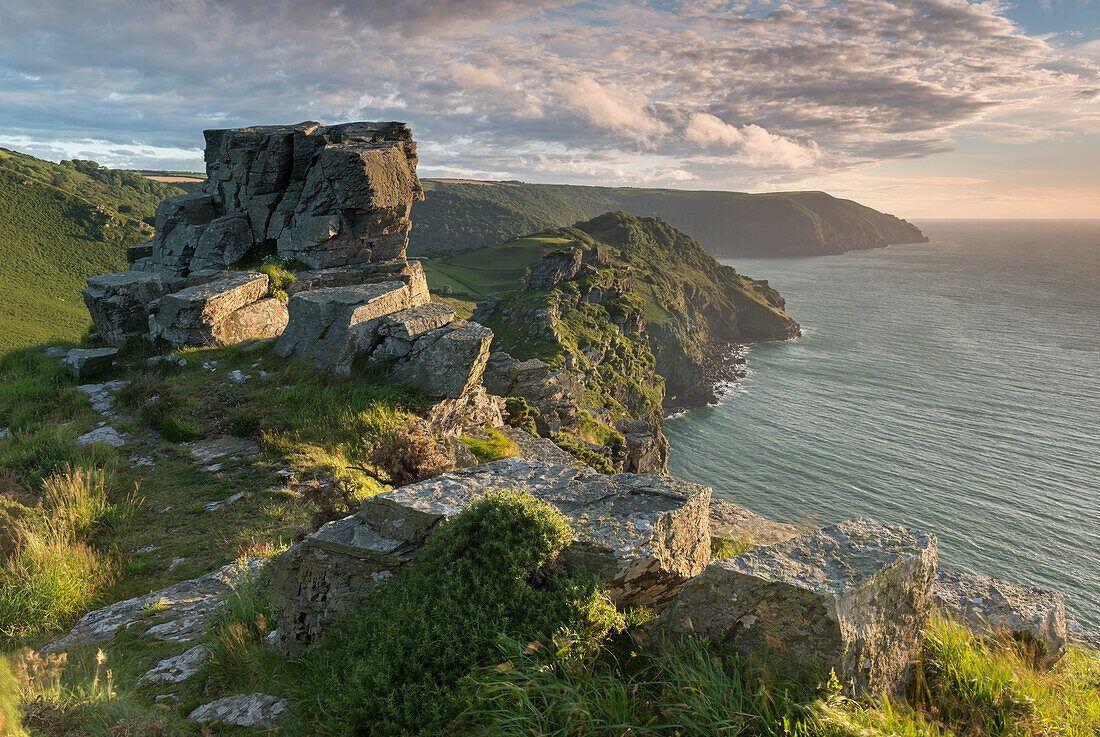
(461, 215)
(60, 224)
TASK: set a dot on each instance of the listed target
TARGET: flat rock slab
(197, 316)
(184, 606)
(251, 710)
(176, 669)
(102, 397)
(644, 536)
(729, 521)
(82, 362)
(205, 451)
(106, 435)
(854, 597)
(994, 607)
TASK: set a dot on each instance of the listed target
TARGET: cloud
(723, 93)
(758, 146)
(612, 107)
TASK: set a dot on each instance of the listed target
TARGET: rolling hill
(462, 214)
(60, 224)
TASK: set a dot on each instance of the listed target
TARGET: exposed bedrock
(853, 597)
(644, 536)
(335, 198)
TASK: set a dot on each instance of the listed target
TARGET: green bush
(397, 666)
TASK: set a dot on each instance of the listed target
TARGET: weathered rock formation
(993, 608)
(644, 536)
(854, 597)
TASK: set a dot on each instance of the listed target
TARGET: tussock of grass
(722, 548)
(239, 655)
(54, 574)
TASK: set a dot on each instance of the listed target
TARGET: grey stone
(139, 251)
(55, 352)
(557, 394)
(446, 362)
(222, 243)
(540, 450)
(83, 362)
(102, 397)
(853, 597)
(326, 325)
(261, 320)
(253, 710)
(106, 435)
(410, 273)
(190, 601)
(456, 416)
(179, 227)
(120, 303)
(554, 268)
(3, 432)
(644, 536)
(237, 376)
(204, 451)
(176, 669)
(729, 521)
(196, 316)
(993, 607)
(171, 359)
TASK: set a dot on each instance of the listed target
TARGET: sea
(950, 386)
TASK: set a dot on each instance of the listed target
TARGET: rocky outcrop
(852, 597)
(995, 608)
(644, 536)
(336, 198)
(555, 268)
(729, 521)
(242, 710)
(556, 394)
(83, 362)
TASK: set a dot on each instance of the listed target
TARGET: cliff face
(459, 215)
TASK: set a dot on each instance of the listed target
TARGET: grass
(60, 225)
(496, 268)
(494, 447)
(724, 547)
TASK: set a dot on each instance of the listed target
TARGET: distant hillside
(60, 224)
(458, 215)
(684, 307)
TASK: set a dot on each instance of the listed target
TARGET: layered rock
(336, 198)
(557, 394)
(852, 597)
(644, 536)
(994, 607)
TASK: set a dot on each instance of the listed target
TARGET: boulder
(327, 325)
(477, 409)
(139, 251)
(223, 242)
(445, 362)
(196, 316)
(120, 303)
(265, 318)
(853, 597)
(644, 536)
(83, 362)
(993, 607)
(410, 273)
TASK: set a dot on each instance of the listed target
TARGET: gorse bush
(396, 666)
(409, 454)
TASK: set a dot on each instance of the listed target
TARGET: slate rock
(83, 362)
(197, 316)
(205, 451)
(853, 597)
(992, 607)
(446, 362)
(326, 325)
(643, 536)
(252, 710)
(119, 304)
(729, 521)
(176, 669)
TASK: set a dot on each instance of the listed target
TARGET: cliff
(461, 214)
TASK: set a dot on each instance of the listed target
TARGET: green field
(492, 269)
(60, 224)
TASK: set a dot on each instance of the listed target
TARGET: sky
(921, 108)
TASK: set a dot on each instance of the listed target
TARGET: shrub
(396, 667)
(278, 276)
(409, 454)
